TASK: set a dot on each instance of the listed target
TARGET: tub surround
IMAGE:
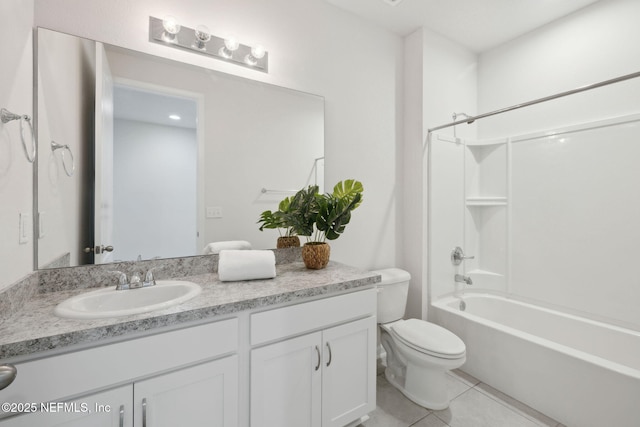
(33, 328)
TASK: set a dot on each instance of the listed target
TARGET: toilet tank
(392, 294)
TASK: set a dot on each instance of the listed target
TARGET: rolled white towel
(216, 247)
(234, 265)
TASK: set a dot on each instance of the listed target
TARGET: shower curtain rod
(472, 119)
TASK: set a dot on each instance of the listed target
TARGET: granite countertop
(35, 328)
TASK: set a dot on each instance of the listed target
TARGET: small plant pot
(316, 255)
(288, 242)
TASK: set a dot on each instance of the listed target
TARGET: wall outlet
(23, 228)
(214, 212)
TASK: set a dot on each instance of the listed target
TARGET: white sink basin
(108, 302)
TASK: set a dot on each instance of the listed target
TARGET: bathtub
(580, 372)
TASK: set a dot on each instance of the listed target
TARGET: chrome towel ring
(6, 116)
(55, 146)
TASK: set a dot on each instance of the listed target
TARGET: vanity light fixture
(170, 33)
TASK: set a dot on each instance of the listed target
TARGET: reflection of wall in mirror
(65, 78)
(256, 136)
(154, 181)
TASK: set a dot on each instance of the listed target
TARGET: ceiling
(152, 107)
(478, 25)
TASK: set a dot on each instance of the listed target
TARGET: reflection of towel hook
(55, 146)
(6, 116)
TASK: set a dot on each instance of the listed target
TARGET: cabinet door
(202, 395)
(111, 408)
(349, 372)
(286, 383)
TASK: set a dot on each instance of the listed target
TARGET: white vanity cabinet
(184, 377)
(203, 395)
(112, 408)
(317, 365)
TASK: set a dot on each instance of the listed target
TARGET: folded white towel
(234, 265)
(216, 247)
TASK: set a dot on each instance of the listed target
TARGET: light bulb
(257, 52)
(203, 35)
(231, 43)
(171, 28)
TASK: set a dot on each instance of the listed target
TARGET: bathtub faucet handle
(457, 256)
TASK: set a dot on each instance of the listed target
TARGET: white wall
(16, 93)
(594, 44)
(154, 197)
(313, 47)
(440, 79)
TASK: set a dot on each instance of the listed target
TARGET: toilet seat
(428, 338)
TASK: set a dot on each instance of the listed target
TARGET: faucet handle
(122, 277)
(457, 256)
(149, 279)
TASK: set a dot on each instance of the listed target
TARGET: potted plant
(322, 217)
(271, 220)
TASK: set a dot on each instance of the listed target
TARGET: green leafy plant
(335, 209)
(276, 220)
(324, 217)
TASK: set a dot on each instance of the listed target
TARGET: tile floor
(474, 404)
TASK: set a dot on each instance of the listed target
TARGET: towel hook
(55, 146)
(6, 116)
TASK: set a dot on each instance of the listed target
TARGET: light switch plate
(23, 229)
(41, 233)
(214, 212)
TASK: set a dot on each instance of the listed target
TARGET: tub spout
(465, 279)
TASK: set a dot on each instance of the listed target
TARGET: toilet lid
(429, 338)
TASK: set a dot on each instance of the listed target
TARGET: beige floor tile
(430, 421)
(517, 406)
(475, 409)
(393, 409)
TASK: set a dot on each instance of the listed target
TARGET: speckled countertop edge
(35, 328)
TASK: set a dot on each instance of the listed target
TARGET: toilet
(419, 353)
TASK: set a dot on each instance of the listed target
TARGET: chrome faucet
(135, 282)
(465, 279)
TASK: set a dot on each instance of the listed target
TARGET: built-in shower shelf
(479, 272)
(486, 201)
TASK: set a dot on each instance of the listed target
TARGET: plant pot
(288, 242)
(316, 255)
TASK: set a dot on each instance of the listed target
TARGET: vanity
(297, 350)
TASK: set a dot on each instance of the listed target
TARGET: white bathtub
(580, 372)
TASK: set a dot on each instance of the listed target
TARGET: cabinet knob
(7, 375)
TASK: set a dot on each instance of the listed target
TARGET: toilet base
(432, 392)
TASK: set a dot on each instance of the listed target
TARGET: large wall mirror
(154, 158)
